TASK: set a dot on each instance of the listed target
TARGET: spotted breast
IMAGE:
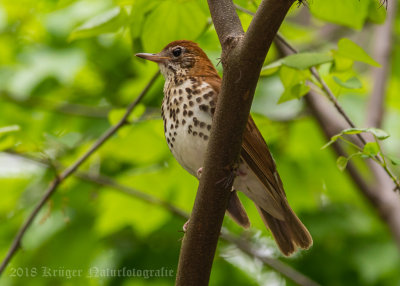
(186, 109)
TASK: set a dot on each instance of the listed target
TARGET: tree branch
(242, 244)
(382, 50)
(379, 193)
(226, 22)
(263, 29)
(68, 172)
(241, 72)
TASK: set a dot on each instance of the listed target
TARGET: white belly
(187, 127)
(189, 150)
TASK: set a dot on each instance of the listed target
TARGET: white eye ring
(177, 51)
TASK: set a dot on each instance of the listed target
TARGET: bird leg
(199, 171)
(185, 225)
(234, 172)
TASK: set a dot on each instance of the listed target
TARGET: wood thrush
(191, 91)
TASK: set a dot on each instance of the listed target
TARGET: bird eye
(177, 52)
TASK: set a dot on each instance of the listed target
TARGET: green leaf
(271, 68)
(351, 131)
(377, 12)
(394, 160)
(333, 140)
(379, 133)
(289, 77)
(341, 163)
(294, 82)
(140, 9)
(108, 22)
(170, 21)
(300, 89)
(286, 96)
(351, 83)
(8, 140)
(371, 149)
(348, 13)
(342, 63)
(294, 92)
(306, 60)
(351, 50)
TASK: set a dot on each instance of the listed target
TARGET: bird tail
(289, 233)
(236, 210)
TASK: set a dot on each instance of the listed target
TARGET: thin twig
(335, 102)
(242, 244)
(66, 173)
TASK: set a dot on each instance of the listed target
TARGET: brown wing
(288, 232)
(256, 154)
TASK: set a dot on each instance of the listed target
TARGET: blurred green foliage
(67, 71)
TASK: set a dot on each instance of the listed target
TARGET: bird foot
(185, 226)
(227, 181)
(235, 171)
(199, 171)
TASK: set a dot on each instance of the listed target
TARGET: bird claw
(236, 171)
(185, 226)
(199, 171)
(227, 181)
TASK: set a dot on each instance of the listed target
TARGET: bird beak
(152, 57)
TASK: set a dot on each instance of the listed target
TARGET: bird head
(181, 58)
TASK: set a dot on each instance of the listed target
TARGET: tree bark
(382, 50)
(242, 59)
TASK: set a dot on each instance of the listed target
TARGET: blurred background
(67, 73)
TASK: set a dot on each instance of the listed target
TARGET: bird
(191, 89)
